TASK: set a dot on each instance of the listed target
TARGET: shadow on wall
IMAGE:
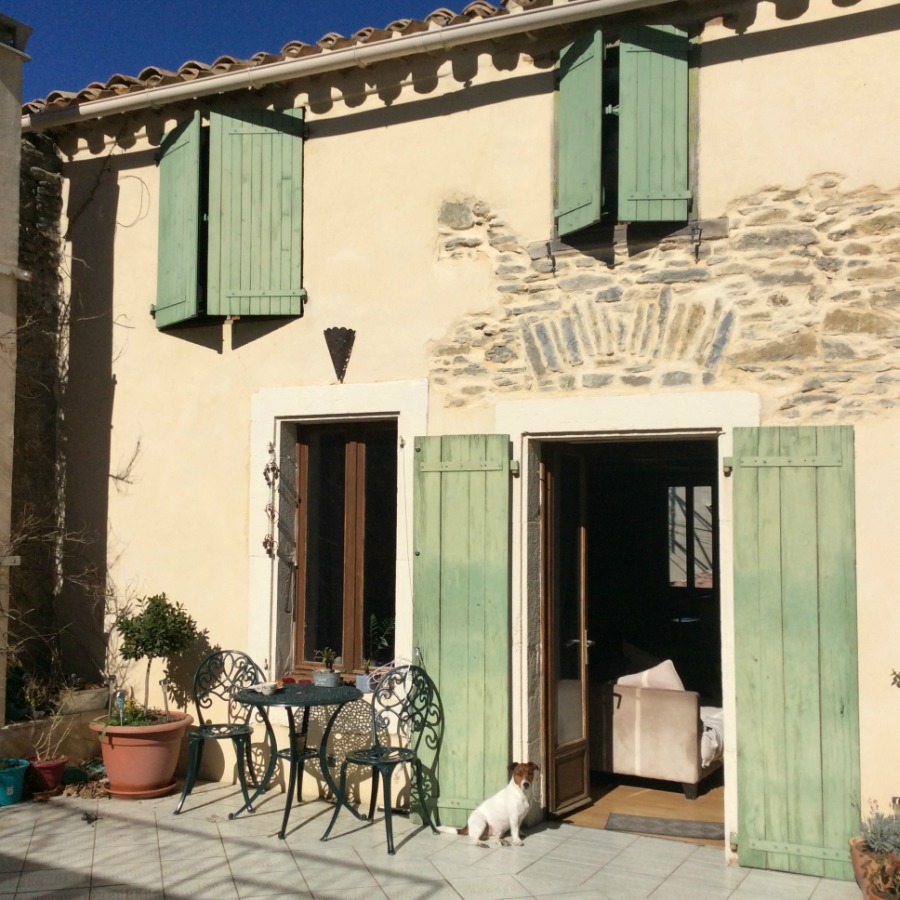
(87, 391)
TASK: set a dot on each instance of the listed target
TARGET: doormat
(713, 831)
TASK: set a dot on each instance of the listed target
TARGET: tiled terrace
(67, 848)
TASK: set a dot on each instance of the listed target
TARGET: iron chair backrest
(405, 708)
(218, 676)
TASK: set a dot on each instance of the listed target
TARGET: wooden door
(796, 648)
(566, 641)
(461, 618)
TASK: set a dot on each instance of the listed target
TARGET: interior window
(347, 516)
(690, 536)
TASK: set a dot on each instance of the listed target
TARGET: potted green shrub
(140, 745)
(378, 633)
(875, 855)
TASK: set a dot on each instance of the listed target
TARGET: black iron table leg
(263, 783)
(293, 697)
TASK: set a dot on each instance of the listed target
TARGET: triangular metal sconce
(340, 346)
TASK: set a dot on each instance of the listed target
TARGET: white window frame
(407, 402)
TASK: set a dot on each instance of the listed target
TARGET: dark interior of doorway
(652, 579)
(651, 582)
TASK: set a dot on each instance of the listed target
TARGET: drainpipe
(438, 40)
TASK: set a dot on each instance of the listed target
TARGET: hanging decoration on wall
(271, 473)
(340, 346)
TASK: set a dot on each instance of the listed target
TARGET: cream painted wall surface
(180, 419)
(878, 586)
(790, 84)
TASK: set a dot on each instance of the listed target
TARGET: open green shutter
(256, 213)
(177, 293)
(461, 609)
(653, 124)
(579, 135)
(796, 648)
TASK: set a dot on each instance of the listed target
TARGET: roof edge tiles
(440, 30)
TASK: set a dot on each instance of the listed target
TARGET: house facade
(548, 342)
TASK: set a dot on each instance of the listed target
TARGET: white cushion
(662, 676)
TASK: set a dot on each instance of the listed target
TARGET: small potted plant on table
(139, 745)
(326, 676)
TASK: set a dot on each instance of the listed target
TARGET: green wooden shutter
(579, 134)
(653, 124)
(461, 609)
(796, 648)
(256, 213)
(177, 293)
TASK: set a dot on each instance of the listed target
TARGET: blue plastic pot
(12, 780)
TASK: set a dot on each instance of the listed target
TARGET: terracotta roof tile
(153, 76)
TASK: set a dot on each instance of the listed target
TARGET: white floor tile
(55, 880)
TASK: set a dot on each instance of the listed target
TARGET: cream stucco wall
(787, 99)
(192, 412)
(184, 441)
(878, 586)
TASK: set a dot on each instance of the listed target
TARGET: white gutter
(361, 55)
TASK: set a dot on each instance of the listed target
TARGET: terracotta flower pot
(46, 774)
(859, 857)
(140, 760)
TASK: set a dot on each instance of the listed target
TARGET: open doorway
(630, 579)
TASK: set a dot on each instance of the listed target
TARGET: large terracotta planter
(859, 855)
(140, 760)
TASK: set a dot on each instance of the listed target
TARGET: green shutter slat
(653, 124)
(579, 134)
(177, 294)
(255, 228)
(461, 608)
(838, 645)
(795, 649)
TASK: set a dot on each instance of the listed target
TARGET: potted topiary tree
(140, 746)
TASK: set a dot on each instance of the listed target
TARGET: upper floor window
(623, 129)
(230, 217)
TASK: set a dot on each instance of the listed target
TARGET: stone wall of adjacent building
(792, 295)
(35, 497)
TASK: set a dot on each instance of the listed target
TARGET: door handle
(573, 641)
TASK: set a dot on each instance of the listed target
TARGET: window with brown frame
(347, 541)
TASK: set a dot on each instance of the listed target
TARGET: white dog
(503, 812)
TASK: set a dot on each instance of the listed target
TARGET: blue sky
(76, 42)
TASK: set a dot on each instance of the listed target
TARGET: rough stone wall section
(796, 299)
(35, 491)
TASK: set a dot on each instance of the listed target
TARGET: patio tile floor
(138, 850)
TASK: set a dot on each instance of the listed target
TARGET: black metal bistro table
(295, 697)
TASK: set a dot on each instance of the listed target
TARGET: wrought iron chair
(406, 716)
(218, 676)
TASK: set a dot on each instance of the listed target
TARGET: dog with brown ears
(504, 811)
